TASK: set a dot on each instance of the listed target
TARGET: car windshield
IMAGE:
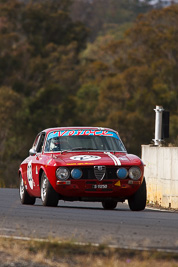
(75, 140)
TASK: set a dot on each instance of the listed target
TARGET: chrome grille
(99, 172)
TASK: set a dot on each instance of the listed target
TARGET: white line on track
(91, 244)
(7, 229)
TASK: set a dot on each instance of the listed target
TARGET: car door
(37, 162)
(28, 167)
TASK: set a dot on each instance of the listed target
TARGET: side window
(40, 143)
(35, 144)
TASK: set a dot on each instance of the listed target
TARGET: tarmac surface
(89, 223)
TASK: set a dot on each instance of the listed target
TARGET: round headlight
(62, 173)
(135, 173)
(122, 173)
(76, 173)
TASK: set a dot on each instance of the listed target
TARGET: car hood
(96, 158)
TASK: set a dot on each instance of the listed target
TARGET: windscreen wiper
(72, 149)
(77, 148)
(83, 148)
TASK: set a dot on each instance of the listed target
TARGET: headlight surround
(62, 173)
(76, 173)
(122, 173)
(135, 173)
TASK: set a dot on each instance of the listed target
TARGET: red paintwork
(49, 162)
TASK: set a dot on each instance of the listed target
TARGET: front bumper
(120, 189)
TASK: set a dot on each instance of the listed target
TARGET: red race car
(82, 164)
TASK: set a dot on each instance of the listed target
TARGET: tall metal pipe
(158, 125)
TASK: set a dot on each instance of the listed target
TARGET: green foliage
(103, 16)
(86, 101)
(45, 22)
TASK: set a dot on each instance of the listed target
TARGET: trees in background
(50, 76)
(106, 16)
(131, 76)
(39, 74)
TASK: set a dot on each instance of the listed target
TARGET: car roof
(78, 128)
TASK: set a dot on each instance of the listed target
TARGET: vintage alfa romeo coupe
(82, 164)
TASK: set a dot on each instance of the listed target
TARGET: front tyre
(25, 198)
(109, 205)
(137, 202)
(49, 196)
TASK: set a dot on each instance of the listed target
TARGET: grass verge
(52, 253)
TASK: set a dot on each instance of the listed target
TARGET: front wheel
(49, 196)
(137, 202)
(109, 205)
(25, 198)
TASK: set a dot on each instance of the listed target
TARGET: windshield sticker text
(82, 132)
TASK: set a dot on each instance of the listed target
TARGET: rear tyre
(137, 202)
(109, 205)
(25, 198)
(49, 197)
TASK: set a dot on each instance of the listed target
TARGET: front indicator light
(135, 173)
(133, 182)
(63, 182)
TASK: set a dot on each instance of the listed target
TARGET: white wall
(161, 173)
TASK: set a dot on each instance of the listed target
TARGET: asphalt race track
(89, 223)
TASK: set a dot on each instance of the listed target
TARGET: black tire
(49, 196)
(137, 202)
(25, 198)
(109, 205)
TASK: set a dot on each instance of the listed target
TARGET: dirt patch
(159, 207)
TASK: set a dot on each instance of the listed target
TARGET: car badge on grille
(99, 172)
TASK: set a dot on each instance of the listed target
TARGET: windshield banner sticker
(82, 132)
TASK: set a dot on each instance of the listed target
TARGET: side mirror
(32, 152)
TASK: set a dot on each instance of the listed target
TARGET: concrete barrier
(161, 173)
